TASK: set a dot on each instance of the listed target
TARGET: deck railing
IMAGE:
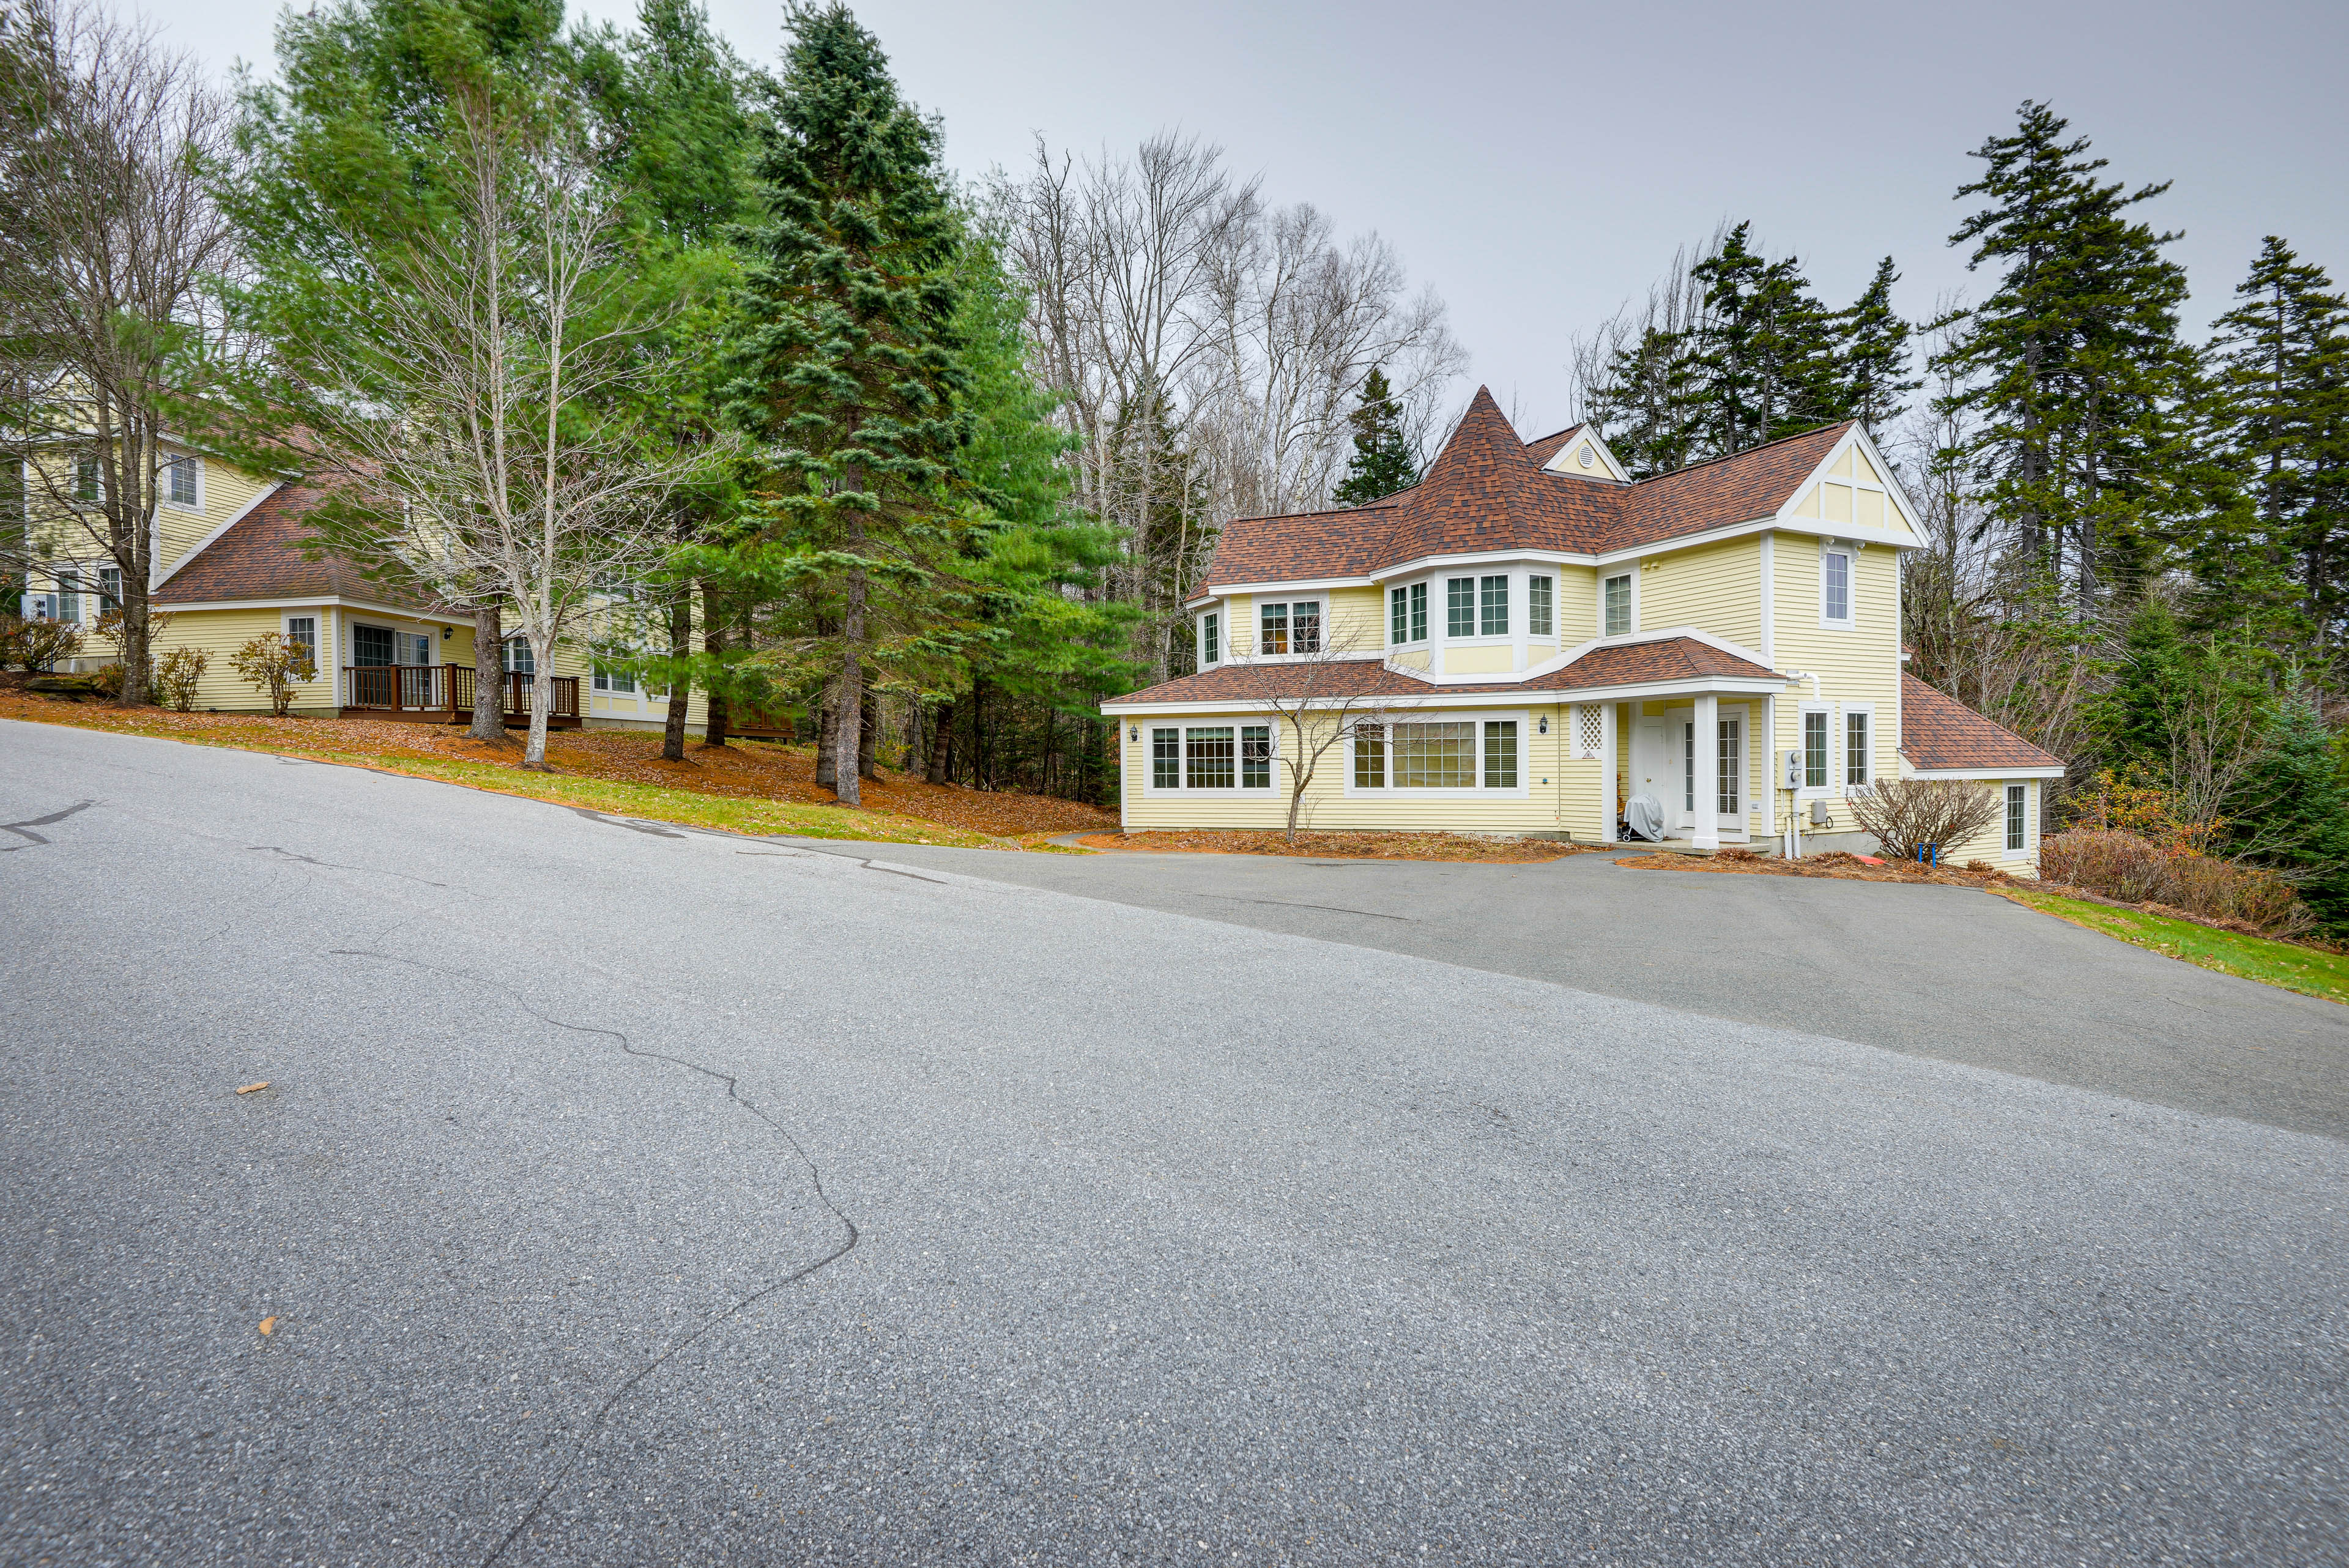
(449, 689)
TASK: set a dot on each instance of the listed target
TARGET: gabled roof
(1486, 492)
(260, 556)
(1940, 734)
(1651, 663)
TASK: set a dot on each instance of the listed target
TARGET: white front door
(1652, 769)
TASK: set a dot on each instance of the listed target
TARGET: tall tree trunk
(848, 735)
(489, 678)
(827, 726)
(713, 643)
(942, 746)
(542, 698)
(680, 689)
(868, 731)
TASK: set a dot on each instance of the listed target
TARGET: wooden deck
(443, 694)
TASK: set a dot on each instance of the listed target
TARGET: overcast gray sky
(1540, 163)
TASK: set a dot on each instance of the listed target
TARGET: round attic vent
(1586, 456)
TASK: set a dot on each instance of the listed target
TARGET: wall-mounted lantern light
(1133, 732)
(447, 632)
(1543, 727)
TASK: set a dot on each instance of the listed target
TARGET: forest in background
(580, 317)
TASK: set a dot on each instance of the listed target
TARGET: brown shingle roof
(1486, 492)
(1938, 732)
(1621, 664)
(261, 557)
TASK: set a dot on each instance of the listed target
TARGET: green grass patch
(2286, 964)
(687, 808)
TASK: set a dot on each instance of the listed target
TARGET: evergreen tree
(1872, 358)
(1646, 407)
(847, 376)
(2136, 715)
(2293, 809)
(2073, 363)
(2283, 385)
(1765, 362)
(1382, 463)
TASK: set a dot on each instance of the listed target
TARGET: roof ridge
(1744, 451)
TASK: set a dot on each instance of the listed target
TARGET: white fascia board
(1491, 557)
(1516, 697)
(1985, 773)
(367, 607)
(1855, 437)
(1562, 460)
(199, 548)
(1220, 590)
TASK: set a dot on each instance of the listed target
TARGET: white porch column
(1607, 711)
(1707, 834)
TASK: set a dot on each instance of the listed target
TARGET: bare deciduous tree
(109, 238)
(1332, 695)
(471, 381)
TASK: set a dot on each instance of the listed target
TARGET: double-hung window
(1294, 627)
(1854, 750)
(1541, 614)
(86, 479)
(1398, 616)
(1814, 751)
(515, 654)
(1370, 756)
(1494, 604)
(1500, 753)
(2018, 803)
(180, 481)
(1256, 756)
(109, 588)
(1419, 612)
(608, 678)
(1167, 758)
(1460, 607)
(302, 631)
(1835, 586)
(1211, 645)
(1618, 593)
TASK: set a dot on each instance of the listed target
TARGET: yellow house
(1528, 642)
(229, 565)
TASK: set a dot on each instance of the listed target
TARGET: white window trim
(1849, 551)
(1632, 572)
(321, 650)
(1255, 617)
(1432, 636)
(1235, 723)
(1525, 579)
(1748, 798)
(1479, 716)
(1223, 639)
(2030, 816)
(1832, 789)
(1839, 741)
(163, 488)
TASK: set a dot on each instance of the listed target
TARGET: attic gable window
(1292, 628)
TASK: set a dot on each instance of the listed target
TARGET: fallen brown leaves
(747, 769)
(268, 1327)
(1835, 864)
(255, 1089)
(1337, 846)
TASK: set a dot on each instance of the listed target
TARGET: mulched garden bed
(1339, 846)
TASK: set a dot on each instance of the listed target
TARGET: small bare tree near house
(1903, 814)
(1337, 692)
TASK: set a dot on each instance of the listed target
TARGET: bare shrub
(276, 665)
(1980, 868)
(1903, 814)
(2123, 866)
(2134, 869)
(176, 677)
(1735, 853)
(37, 645)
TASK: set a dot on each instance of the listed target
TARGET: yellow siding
(1355, 620)
(1990, 844)
(225, 491)
(1561, 794)
(1714, 587)
(1860, 664)
(1460, 660)
(1577, 605)
(218, 634)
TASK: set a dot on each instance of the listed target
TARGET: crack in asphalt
(56, 816)
(1289, 904)
(338, 865)
(733, 1092)
(651, 830)
(865, 861)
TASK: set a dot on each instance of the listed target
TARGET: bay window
(1541, 617)
(1460, 607)
(1495, 599)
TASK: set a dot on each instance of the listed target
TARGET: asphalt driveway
(621, 1194)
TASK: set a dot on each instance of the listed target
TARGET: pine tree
(1872, 358)
(847, 377)
(2073, 362)
(1382, 463)
(2281, 368)
(2293, 809)
(1647, 408)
